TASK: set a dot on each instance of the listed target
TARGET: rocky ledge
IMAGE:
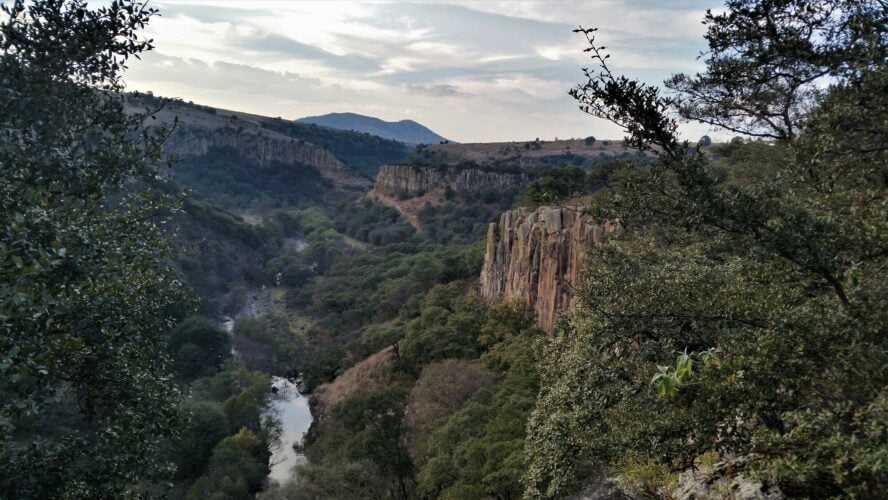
(411, 181)
(535, 257)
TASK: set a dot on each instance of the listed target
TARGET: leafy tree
(766, 61)
(368, 427)
(85, 288)
(441, 390)
(205, 427)
(235, 470)
(266, 343)
(335, 482)
(245, 408)
(448, 326)
(753, 300)
(478, 451)
(198, 347)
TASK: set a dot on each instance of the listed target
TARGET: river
(290, 408)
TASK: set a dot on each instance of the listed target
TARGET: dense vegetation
(735, 327)
(235, 182)
(741, 319)
(464, 217)
(450, 421)
(86, 292)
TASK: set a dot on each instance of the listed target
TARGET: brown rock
(396, 180)
(535, 257)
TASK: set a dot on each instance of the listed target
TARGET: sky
(472, 71)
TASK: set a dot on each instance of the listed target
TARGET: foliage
(448, 326)
(223, 449)
(479, 450)
(370, 287)
(219, 255)
(345, 481)
(198, 347)
(767, 60)
(85, 287)
(440, 390)
(553, 185)
(235, 470)
(266, 343)
(206, 425)
(458, 432)
(465, 218)
(369, 427)
(233, 181)
(776, 266)
(372, 223)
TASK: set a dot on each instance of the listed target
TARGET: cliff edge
(408, 188)
(535, 257)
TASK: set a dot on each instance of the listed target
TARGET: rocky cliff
(398, 180)
(264, 147)
(535, 257)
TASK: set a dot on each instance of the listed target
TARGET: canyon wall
(398, 180)
(264, 147)
(535, 257)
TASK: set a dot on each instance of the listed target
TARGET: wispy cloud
(471, 70)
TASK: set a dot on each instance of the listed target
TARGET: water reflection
(291, 408)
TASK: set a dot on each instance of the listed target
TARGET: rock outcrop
(535, 257)
(723, 479)
(264, 147)
(410, 181)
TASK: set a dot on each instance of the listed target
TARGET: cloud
(472, 70)
(440, 90)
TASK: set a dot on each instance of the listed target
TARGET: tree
(368, 428)
(234, 470)
(741, 314)
(198, 347)
(85, 285)
(205, 427)
(478, 451)
(441, 390)
(767, 60)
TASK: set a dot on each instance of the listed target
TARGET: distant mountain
(405, 130)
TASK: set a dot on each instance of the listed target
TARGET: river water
(291, 409)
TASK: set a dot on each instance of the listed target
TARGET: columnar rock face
(535, 257)
(264, 148)
(395, 180)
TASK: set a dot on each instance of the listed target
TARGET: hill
(407, 131)
(342, 156)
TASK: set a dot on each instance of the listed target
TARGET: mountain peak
(407, 131)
